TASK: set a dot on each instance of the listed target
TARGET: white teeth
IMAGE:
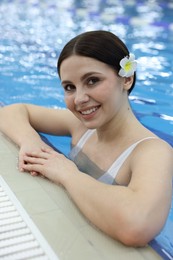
(89, 111)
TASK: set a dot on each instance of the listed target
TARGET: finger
(20, 163)
(33, 173)
(47, 150)
(33, 160)
(42, 155)
(34, 169)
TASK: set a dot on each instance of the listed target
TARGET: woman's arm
(14, 122)
(133, 214)
(22, 122)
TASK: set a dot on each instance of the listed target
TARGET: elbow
(137, 234)
(137, 229)
(135, 238)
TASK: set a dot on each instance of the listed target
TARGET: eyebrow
(89, 74)
(82, 78)
(64, 82)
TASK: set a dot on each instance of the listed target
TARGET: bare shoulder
(153, 158)
(155, 147)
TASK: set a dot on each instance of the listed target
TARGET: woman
(108, 143)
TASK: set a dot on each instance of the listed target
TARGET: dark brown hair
(100, 45)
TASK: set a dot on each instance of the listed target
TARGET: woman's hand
(50, 164)
(28, 148)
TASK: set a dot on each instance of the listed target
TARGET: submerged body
(135, 209)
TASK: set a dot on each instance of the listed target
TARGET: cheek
(111, 97)
(69, 101)
(103, 92)
(107, 93)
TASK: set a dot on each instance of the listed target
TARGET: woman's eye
(93, 81)
(69, 88)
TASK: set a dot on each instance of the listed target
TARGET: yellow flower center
(127, 66)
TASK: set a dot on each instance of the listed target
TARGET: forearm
(14, 122)
(104, 205)
(113, 209)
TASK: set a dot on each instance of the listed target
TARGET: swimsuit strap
(85, 137)
(75, 150)
(114, 168)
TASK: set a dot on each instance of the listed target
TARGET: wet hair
(101, 45)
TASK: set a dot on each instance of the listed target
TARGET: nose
(81, 96)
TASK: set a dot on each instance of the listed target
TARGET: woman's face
(93, 91)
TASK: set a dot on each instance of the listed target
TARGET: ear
(128, 83)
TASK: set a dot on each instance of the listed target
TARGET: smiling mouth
(89, 111)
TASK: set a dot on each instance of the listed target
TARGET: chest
(96, 159)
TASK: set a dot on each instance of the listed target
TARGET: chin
(91, 125)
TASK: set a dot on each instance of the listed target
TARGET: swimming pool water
(33, 33)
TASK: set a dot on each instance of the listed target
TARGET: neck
(122, 125)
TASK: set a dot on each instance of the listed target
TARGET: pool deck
(69, 234)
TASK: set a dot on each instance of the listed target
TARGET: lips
(89, 111)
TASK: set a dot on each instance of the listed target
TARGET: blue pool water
(32, 33)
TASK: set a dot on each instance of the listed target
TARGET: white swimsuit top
(110, 175)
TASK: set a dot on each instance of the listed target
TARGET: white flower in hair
(128, 66)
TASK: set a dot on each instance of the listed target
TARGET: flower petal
(123, 62)
(122, 73)
(131, 57)
(128, 66)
